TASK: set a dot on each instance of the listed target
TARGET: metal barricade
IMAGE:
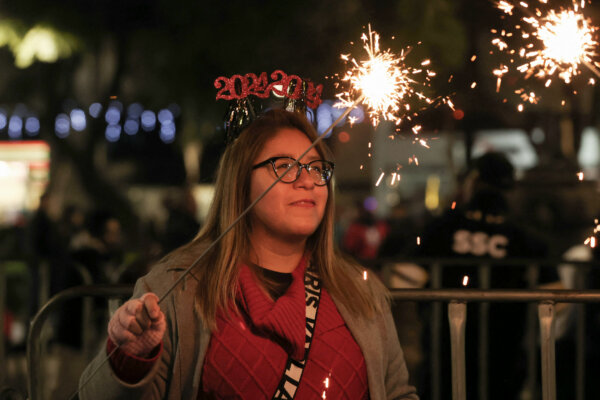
(33, 338)
(457, 318)
(483, 267)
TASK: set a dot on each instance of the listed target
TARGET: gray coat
(177, 373)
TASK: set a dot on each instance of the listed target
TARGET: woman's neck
(277, 255)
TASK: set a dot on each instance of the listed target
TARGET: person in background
(482, 228)
(273, 310)
(365, 235)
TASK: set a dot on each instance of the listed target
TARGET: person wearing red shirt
(273, 310)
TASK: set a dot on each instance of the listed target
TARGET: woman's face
(290, 211)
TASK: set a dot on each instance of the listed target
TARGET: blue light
(113, 133)
(95, 110)
(32, 126)
(148, 120)
(3, 120)
(134, 110)
(357, 115)
(167, 132)
(78, 121)
(336, 112)
(370, 204)
(15, 127)
(132, 126)
(324, 118)
(113, 115)
(165, 116)
(62, 125)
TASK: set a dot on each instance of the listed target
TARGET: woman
(239, 320)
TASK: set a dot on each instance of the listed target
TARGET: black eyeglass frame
(306, 166)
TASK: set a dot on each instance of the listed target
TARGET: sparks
(380, 178)
(453, 205)
(364, 278)
(465, 281)
(580, 176)
(556, 43)
(418, 240)
(384, 82)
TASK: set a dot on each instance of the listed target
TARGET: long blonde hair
(218, 271)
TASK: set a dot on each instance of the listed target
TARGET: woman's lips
(303, 203)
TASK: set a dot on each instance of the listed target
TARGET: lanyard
(293, 368)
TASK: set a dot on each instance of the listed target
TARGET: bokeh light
(62, 125)
(78, 121)
(32, 126)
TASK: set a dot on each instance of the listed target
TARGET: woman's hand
(138, 325)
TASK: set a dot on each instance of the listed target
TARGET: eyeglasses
(319, 170)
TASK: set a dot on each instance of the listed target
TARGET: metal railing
(483, 267)
(34, 336)
(457, 314)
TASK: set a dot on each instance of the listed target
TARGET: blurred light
(165, 116)
(344, 137)
(131, 127)
(537, 135)
(43, 44)
(589, 149)
(336, 112)
(432, 192)
(324, 119)
(32, 126)
(3, 120)
(148, 120)
(62, 125)
(15, 127)
(175, 109)
(78, 119)
(357, 115)
(370, 203)
(167, 132)
(113, 133)
(134, 110)
(113, 115)
(95, 110)
(458, 114)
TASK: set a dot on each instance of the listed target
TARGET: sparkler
(556, 44)
(386, 82)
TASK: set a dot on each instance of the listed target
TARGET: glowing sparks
(418, 240)
(380, 178)
(592, 240)
(465, 281)
(364, 278)
(385, 83)
(556, 43)
(453, 205)
(580, 176)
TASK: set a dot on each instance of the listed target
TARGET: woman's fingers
(151, 306)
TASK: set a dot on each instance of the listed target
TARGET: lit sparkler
(556, 44)
(386, 82)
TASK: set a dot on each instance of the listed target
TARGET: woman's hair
(218, 271)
